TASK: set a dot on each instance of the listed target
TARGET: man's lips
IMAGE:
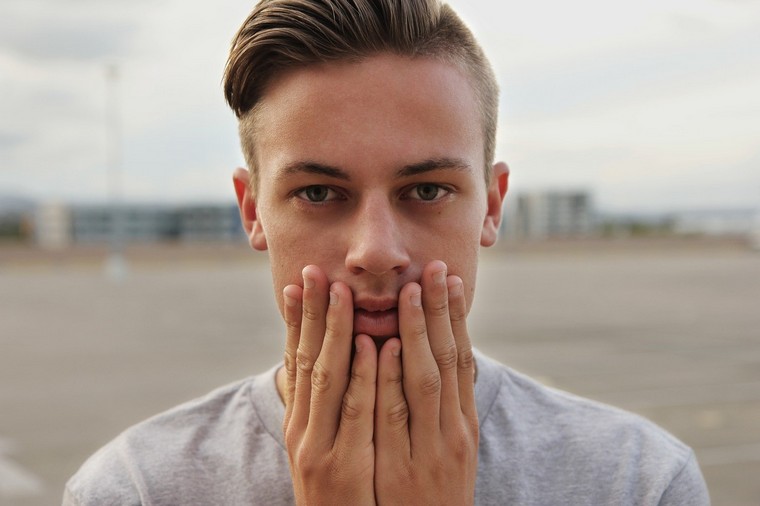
(379, 323)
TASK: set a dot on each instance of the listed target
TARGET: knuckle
(310, 313)
(419, 331)
(304, 361)
(430, 383)
(463, 442)
(290, 363)
(461, 445)
(447, 358)
(351, 409)
(438, 308)
(393, 379)
(398, 414)
(457, 314)
(305, 461)
(356, 377)
(360, 380)
(292, 326)
(320, 378)
(466, 358)
(437, 471)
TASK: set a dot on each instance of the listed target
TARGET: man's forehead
(385, 75)
(363, 103)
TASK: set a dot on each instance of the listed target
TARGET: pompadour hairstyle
(284, 34)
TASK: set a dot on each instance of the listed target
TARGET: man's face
(371, 170)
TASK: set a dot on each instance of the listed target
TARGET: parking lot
(668, 329)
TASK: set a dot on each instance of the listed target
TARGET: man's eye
(427, 192)
(317, 193)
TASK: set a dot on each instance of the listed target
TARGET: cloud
(627, 98)
(649, 104)
(11, 140)
(49, 39)
(45, 30)
(178, 137)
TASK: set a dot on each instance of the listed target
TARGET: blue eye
(427, 192)
(317, 193)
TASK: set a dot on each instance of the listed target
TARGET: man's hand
(394, 432)
(329, 414)
(426, 422)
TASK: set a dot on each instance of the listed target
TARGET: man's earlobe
(247, 207)
(497, 190)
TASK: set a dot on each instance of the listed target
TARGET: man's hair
(280, 35)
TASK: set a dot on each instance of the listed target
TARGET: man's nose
(376, 239)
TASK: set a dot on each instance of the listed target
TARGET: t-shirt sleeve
(108, 477)
(68, 498)
(688, 488)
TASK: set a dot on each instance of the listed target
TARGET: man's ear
(247, 206)
(497, 189)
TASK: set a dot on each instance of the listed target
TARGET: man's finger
(313, 312)
(465, 359)
(331, 370)
(391, 410)
(435, 303)
(356, 428)
(421, 378)
(291, 296)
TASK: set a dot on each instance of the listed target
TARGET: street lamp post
(116, 267)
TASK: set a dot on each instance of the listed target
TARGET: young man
(368, 127)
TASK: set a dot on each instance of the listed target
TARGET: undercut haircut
(281, 35)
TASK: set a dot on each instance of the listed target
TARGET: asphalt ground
(668, 329)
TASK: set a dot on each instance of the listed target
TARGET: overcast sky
(652, 105)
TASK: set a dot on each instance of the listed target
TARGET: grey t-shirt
(538, 446)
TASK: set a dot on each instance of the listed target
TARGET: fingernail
(456, 289)
(358, 346)
(439, 277)
(396, 351)
(289, 301)
(308, 281)
(416, 299)
(333, 298)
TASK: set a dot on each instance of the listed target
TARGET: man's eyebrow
(431, 164)
(314, 168)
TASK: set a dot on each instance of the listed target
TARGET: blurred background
(628, 270)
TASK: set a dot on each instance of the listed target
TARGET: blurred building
(15, 217)
(550, 214)
(52, 226)
(723, 222)
(209, 223)
(130, 223)
(60, 225)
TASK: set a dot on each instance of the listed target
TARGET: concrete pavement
(669, 331)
